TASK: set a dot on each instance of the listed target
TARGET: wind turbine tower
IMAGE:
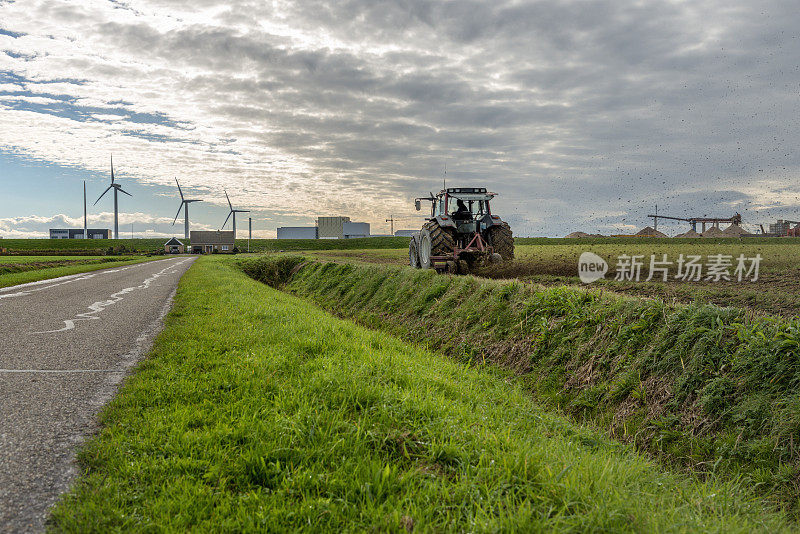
(117, 189)
(185, 205)
(232, 212)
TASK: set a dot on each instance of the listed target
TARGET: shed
(173, 246)
(203, 242)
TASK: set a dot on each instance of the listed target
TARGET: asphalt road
(65, 346)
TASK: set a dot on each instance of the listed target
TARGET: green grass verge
(81, 246)
(46, 273)
(257, 411)
(713, 388)
(114, 246)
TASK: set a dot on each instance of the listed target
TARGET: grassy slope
(257, 411)
(716, 389)
(15, 278)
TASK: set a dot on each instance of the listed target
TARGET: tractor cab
(464, 208)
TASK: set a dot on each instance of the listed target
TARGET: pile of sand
(582, 234)
(649, 231)
(690, 233)
(714, 232)
(735, 230)
(577, 234)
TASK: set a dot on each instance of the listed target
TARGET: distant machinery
(714, 221)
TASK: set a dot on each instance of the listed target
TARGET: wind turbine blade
(226, 219)
(179, 188)
(112, 168)
(123, 191)
(101, 196)
(229, 200)
(176, 215)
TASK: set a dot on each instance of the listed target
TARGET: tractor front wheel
(424, 249)
(413, 254)
(502, 240)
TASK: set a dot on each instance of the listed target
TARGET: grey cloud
(608, 106)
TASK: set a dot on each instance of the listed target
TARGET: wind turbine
(117, 188)
(232, 212)
(185, 205)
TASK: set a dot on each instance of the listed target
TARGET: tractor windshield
(476, 208)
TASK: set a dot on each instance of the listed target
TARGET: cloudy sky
(581, 115)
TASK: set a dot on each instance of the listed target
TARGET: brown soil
(690, 233)
(714, 232)
(734, 230)
(649, 231)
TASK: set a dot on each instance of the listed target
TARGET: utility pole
(655, 219)
(85, 225)
(391, 220)
(249, 232)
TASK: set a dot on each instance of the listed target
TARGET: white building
(351, 230)
(297, 232)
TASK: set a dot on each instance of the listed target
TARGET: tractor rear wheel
(502, 240)
(443, 243)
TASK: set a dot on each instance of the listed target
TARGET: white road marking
(61, 280)
(100, 306)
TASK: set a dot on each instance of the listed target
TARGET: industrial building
(780, 227)
(77, 233)
(405, 233)
(203, 242)
(326, 228)
(297, 232)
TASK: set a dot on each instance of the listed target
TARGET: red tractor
(461, 233)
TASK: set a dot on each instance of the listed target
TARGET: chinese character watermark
(686, 268)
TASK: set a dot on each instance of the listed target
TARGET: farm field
(777, 290)
(23, 269)
(257, 410)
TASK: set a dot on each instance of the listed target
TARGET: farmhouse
(174, 246)
(210, 242)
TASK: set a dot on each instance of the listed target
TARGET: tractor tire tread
(443, 243)
(503, 240)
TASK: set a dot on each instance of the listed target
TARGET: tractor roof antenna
(444, 177)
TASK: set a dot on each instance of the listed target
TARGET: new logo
(591, 267)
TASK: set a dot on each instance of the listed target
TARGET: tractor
(461, 233)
